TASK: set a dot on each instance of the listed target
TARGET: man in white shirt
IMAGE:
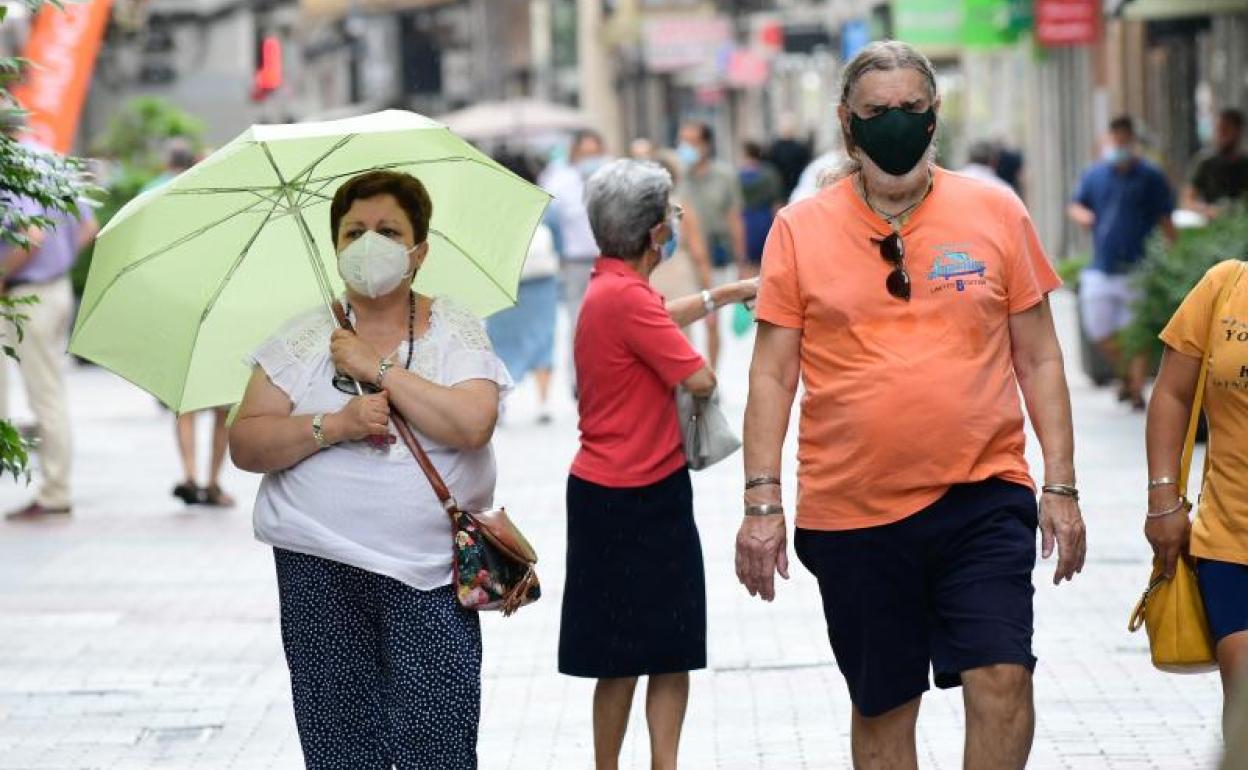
(981, 163)
(566, 183)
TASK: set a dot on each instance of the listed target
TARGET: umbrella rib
(474, 263)
(220, 190)
(216, 294)
(307, 171)
(400, 164)
(309, 243)
(162, 251)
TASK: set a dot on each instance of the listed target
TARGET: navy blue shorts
(947, 588)
(1224, 589)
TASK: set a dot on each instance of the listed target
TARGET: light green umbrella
(188, 278)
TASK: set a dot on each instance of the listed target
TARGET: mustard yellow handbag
(1171, 610)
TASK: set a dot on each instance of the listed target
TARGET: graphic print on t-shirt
(1230, 371)
(954, 269)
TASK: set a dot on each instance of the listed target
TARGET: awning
(1171, 9)
(334, 9)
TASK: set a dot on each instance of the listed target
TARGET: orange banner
(63, 45)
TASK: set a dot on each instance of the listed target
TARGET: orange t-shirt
(1220, 530)
(903, 399)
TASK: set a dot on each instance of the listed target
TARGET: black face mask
(896, 139)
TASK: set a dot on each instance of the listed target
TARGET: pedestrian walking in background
(916, 509)
(179, 157)
(686, 267)
(524, 335)
(821, 172)
(712, 188)
(762, 193)
(566, 182)
(1010, 165)
(1218, 536)
(635, 600)
(981, 160)
(1121, 199)
(789, 154)
(41, 273)
(1220, 176)
(385, 664)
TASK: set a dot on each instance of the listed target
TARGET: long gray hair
(880, 56)
(624, 199)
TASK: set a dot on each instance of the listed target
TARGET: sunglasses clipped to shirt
(893, 251)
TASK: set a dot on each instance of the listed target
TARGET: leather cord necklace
(898, 220)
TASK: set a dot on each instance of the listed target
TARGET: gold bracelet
(1178, 506)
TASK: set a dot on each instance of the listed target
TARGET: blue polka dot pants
(383, 675)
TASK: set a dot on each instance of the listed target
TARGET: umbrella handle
(405, 432)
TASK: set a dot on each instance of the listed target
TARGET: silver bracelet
(1164, 481)
(1178, 506)
(1065, 490)
(764, 510)
(708, 302)
(318, 432)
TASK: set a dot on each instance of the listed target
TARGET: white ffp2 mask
(373, 264)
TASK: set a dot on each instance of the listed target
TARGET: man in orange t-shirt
(912, 302)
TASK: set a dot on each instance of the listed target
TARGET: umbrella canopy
(514, 119)
(188, 278)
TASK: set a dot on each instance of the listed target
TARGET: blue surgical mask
(669, 248)
(587, 166)
(688, 154)
(1118, 156)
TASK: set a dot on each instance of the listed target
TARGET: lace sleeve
(468, 354)
(289, 356)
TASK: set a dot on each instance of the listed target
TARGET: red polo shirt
(630, 356)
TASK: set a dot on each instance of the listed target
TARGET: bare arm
(462, 416)
(1169, 411)
(87, 230)
(1041, 375)
(1081, 214)
(266, 437)
(736, 230)
(18, 256)
(774, 373)
(685, 310)
(701, 383)
(691, 232)
(1166, 223)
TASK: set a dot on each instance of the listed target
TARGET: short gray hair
(624, 199)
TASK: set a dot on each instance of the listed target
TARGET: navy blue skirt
(635, 599)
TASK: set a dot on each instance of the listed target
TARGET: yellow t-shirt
(1220, 530)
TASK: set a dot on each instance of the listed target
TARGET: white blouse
(373, 508)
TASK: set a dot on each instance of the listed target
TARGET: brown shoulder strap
(409, 438)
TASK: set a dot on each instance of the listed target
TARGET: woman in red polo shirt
(635, 600)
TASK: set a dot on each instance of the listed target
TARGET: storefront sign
(1067, 22)
(672, 43)
(62, 48)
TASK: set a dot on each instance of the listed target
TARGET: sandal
(215, 496)
(188, 493)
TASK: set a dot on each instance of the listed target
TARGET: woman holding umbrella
(384, 663)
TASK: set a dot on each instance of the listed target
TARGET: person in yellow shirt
(1218, 536)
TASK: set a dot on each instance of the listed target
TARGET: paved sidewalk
(141, 634)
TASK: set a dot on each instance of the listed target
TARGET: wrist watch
(318, 431)
(708, 302)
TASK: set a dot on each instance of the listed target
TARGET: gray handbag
(705, 431)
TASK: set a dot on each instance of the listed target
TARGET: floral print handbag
(494, 565)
